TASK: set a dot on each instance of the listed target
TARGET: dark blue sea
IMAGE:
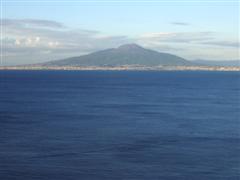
(119, 125)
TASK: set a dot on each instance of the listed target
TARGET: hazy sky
(37, 31)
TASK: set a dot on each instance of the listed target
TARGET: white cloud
(178, 37)
(17, 42)
(53, 44)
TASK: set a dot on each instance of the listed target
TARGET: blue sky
(40, 31)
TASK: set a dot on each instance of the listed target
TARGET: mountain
(229, 63)
(128, 54)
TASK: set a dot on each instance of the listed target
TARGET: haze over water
(69, 125)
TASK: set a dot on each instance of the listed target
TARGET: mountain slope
(129, 54)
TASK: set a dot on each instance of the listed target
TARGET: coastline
(123, 68)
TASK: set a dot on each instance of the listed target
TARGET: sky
(39, 31)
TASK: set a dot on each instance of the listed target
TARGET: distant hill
(229, 63)
(129, 54)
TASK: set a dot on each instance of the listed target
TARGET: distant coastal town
(125, 67)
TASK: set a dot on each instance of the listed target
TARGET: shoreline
(124, 68)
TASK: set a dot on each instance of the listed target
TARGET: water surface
(92, 125)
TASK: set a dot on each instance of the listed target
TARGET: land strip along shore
(122, 68)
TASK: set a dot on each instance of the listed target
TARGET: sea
(119, 125)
